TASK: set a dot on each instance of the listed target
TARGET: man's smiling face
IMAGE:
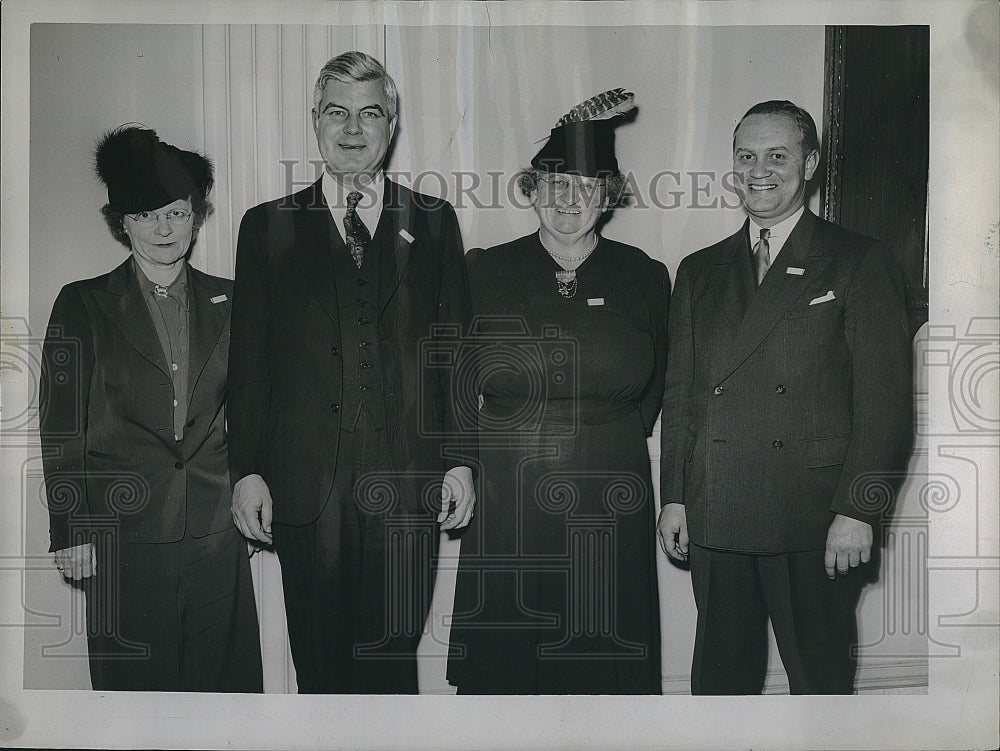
(770, 167)
(353, 128)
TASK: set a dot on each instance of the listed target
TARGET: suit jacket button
(718, 390)
(179, 464)
(777, 444)
(335, 407)
(334, 351)
(779, 389)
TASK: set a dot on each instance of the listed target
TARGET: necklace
(568, 258)
(566, 281)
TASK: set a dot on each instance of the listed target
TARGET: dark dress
(556, 590)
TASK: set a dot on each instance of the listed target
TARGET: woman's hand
(78, 562)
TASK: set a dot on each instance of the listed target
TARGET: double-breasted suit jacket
(791, 402)
(287, 379)
(106, 415)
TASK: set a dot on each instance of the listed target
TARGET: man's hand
(457, 488)
(252, 508)
(672, 529)
(77, 563)
(848, 544)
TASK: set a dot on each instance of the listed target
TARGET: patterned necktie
(355, 231)
(761, 255)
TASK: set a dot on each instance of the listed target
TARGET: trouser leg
(357, 581)
(219, 635)
(814, 621)
(132, 635)
(730, 652)
(316, 564)
(174, 617)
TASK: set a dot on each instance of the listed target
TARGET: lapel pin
(219, 298)
(595, 301)
(795, 271)
(406, 236)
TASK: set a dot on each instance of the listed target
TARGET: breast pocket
(826, 308)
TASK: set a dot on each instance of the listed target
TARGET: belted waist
(559, 411)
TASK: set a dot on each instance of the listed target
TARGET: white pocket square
(406, 236)
(219, 298)
(795, 270)
(823, 298)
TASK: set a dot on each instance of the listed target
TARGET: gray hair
(356, 67)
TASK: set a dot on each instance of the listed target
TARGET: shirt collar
(336, 194)
(369, 207)
(779, 232)
(781, 229)
(178, 288)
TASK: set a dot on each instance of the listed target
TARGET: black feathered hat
(142, 173)
(583, 141)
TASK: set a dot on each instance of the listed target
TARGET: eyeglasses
(562, 184)
(174, 217)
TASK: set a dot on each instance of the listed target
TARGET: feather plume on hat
(603, 106)
(583, 140)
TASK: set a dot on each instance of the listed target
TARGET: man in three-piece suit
(132, 422)
(342, 396)
(787, 408)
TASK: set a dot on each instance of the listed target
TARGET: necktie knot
(352, 200)
(765, 233)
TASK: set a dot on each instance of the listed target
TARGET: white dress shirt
(369, 207)
(779, 233)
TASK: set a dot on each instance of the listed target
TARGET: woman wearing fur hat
(556, 590)
(132, 424)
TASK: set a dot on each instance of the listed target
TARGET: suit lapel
(396, 233)
(123, 305)
(731, 280)
(206, 320)
(318, 239)
(803, 253)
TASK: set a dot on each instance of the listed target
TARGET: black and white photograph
(500, 375)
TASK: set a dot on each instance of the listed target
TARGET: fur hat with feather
(583, 140)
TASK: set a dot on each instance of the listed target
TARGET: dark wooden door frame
(875, 104)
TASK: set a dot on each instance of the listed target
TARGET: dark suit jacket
(286, 376)
(790, 403)
(106, 415)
